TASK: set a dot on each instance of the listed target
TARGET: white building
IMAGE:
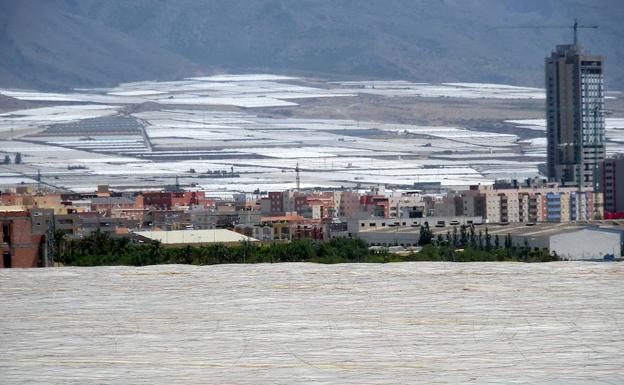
(193, 237)
(588, 243)
(570, 241)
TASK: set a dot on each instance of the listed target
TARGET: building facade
(540, 204)
(20, 244)
(574, 116)
(613, 187)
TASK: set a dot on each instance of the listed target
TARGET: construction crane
(574, 27)
(298, 180)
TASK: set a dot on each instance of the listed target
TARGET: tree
(496, 242)
(426, 235)
(18, 158)
(463, 235)
(508, 242)
(7, 160)
(472, 237)
(488, 240)
(58, 237)
(480, 240)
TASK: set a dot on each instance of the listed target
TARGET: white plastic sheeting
(399, 88)
(486, 323)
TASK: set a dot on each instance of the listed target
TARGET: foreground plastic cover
(494, 323)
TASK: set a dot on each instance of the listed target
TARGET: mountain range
(60, 44)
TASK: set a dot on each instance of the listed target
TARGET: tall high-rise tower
(574, 116)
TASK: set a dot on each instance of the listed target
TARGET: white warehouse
(588, 243)
(569, 242)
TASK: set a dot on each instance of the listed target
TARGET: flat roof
(112, 200)
(195, 236)
(547, 228)
(514, 229)
(282, 218)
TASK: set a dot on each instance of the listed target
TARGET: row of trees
(18, 159)
(466, 236)
(467, 244)
(100, 249)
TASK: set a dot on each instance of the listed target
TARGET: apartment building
(574, 116)
(613, 187)
(539, 204)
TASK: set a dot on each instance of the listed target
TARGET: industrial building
(404, 232)
(192, 237)
(568, 241)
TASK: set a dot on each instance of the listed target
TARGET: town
(576, 212)
(574, 223)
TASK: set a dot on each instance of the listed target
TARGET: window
(6, 233)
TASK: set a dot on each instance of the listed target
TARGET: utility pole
(39, 181)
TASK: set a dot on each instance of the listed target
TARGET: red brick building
(612, 171)
(310, 230)
(171, 200)
(19, 247)
(277, 201)
(375, 205)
